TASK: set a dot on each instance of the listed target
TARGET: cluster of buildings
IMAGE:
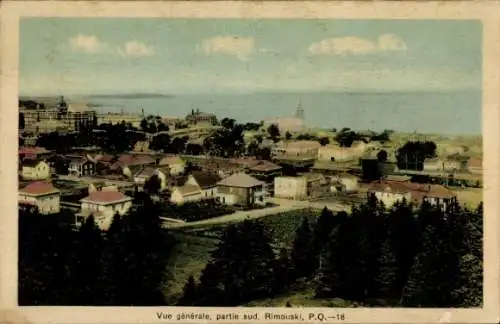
(61, 116)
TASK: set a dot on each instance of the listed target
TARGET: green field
(194, 246)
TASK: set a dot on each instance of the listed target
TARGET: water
(427, 112)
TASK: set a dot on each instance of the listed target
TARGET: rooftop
(187, 190)
(39, 188)
(104, 197)
(205, 179)
(240, 180)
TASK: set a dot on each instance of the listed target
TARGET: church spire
(299, 113)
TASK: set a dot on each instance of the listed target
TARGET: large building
(44, 118)
(293, 124)
(196, 117)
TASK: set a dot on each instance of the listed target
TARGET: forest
(373, 256)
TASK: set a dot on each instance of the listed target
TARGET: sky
(177, 56)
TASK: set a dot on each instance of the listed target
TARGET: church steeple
(299, 113)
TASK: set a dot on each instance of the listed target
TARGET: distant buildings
(196, 117)
(391, 192)
(292, 124)
(40, 119)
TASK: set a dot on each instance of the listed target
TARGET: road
(283, 206)
(89, 180)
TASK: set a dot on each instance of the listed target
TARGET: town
(267, 171)
(204, 173)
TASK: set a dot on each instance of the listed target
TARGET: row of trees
(123, 267)
(373, 257)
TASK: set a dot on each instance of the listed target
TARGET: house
(101, 186)
(141, 146)
(126, 163)
(296, 148)
(266, 171)
(81, 166)
(290, 187)
(32, 152)
(176, 165)
(222, 167)
(335, 154)
(185, 193)
(241, 189)
(433, 165)
(103, 205)
(348, 182)
(316, 184)
(391, 192)
(436, 165)
(207, 182)
(41, 195)
(475, 165)
(35, 169)
(143, 175)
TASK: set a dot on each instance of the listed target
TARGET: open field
(194, 247)
(469, 197)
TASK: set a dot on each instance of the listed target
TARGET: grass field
(192, 252)
(470, 197)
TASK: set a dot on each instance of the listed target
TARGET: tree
(86, 265)
(334, 267)
(322, 229)
(288, 136)
(412, 155)
(160, 142)
(153, 185)
(189, 293)
(144, 125)
(386, 276)
(324, 141)
(241, 266)
(302, 255)
(274, 132)
(382, 156)
(228, 123)
(283, 272)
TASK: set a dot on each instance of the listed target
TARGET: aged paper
(249, 161)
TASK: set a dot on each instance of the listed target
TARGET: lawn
(192, 252)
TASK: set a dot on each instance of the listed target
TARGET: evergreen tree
(87, 264)
(241, 266)
(434, 275)
(469, 290)
(323, 227)
(334, 267)
(189, 293)
(302, 256)
(387, 272)
(283, 272)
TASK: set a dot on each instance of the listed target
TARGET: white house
(290, 187)
(103, 204)
(390, 192)
(207, 182)
(41, 195)
(176, 165)
(185, 193)
(475, 165)
(33, 169)
(241, 189)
